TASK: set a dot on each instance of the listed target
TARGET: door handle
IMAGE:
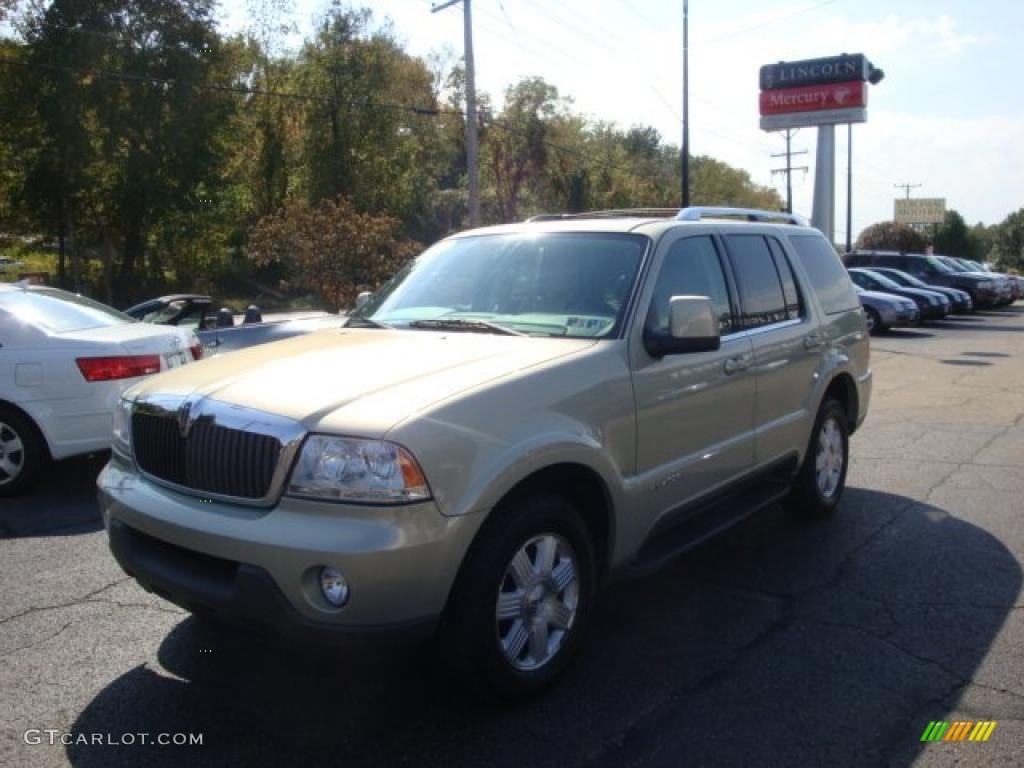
(812, 341)
(737, 364)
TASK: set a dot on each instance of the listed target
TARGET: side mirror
(693, 327)
(362, 298)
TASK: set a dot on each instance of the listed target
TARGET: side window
(761, 294)
(691, 268)
(826, 272)
(790, 292)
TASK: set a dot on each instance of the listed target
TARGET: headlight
(122, 437)
(351, 469)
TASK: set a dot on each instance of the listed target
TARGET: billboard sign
(833, 69)
(920, 210)
(818, 117)
(815, 97)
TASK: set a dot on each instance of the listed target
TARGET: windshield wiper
(365, 322)
(470, 326)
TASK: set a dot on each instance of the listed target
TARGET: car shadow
(906, 333)
(61, 503)
(793, 643)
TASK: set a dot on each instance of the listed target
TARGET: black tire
(21, 452)
(874, 321)
(807, 498)
(470, 639)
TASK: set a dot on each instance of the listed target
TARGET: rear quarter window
(826, 272)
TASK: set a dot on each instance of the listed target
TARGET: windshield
(902, 278)
(884, 280)
(940, 266)
(559, 284)
(60, 311)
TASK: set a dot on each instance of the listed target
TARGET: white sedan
(64, 362)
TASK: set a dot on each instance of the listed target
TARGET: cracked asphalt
(781, 643)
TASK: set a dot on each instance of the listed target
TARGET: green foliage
(954, 238)
(331, 249)
(152, 153)
(1008, 244)
(890, 236)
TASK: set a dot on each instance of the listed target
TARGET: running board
(695, 523)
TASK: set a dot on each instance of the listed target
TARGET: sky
(948, 115)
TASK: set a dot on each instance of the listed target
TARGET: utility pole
(849, 187)
(472, 148)
(686, 106)
(788, 170)
(907, 187)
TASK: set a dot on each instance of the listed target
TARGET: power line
(907, 186)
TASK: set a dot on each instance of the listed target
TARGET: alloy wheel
(830, 458)
(537, 602)
(12, 454)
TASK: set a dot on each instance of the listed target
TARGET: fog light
(334, 586)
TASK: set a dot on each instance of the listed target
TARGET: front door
(695, 411)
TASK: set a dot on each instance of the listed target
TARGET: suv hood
(357, 380)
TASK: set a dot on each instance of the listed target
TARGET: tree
(331, 249)
(890, 236)
(129, 125)
(515, 145)
(954, 238)
(1008, 247)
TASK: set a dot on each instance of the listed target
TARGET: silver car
(520, 414)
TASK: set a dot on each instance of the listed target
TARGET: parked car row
(901, 289)
(987, 289)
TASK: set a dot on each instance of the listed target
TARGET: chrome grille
(214, 449)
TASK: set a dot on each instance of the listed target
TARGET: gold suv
(521, 413)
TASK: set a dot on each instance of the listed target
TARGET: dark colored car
(984, 289)
(961, 300)
(1004, 288)
(218, 331)
(885, 311)
(1016, 289)
(931, 304)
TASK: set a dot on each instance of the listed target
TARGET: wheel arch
(43, 440)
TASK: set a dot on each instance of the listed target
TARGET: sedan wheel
(21, 451)
(12, 454)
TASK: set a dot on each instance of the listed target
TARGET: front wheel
(874, 321)
(819, 485)
(523, 599)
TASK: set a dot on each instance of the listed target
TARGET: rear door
(787, 349)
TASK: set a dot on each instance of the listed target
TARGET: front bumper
(900, 316)
(262, 566)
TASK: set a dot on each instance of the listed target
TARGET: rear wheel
(520, 608)
(819, 485)
(21, 451)
(874, 321)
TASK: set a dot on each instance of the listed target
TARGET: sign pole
(849, 187)
(824, 211)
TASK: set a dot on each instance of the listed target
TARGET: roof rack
(613, 213)
(699, 212)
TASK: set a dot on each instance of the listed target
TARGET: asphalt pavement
(782, 643)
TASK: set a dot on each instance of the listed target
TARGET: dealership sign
(826, 91)
(834, 69)
(920, 210)
(815, 97)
